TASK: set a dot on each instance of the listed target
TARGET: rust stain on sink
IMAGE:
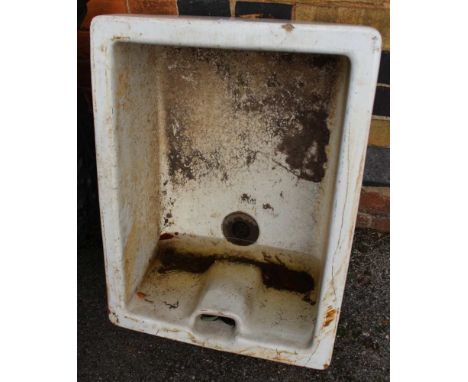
(330, 316)
(274, 275)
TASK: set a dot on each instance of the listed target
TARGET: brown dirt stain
(227, 107)
(305, 150)
(248, 199)
(130, 252)
(274, 275)
(267, 206)
(166, 236)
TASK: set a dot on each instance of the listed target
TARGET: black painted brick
(384, 70)
(377, 168)
(264, 10)
(382, 101)
(219, 8)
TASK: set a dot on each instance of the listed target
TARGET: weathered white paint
(132, 162)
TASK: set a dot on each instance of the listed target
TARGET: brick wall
(374, 209)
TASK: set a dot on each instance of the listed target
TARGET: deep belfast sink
(230, 159)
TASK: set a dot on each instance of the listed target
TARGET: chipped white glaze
(150, 125)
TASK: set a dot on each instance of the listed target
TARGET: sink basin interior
(204, 133)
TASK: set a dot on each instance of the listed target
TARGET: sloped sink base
(267, 294)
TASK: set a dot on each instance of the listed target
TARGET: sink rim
(360, 44)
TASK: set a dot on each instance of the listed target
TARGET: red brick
(375, 200)
(363, 220)
(378, 222)
(103, 7)
(374, 209)
(381, 223)
(153, 7)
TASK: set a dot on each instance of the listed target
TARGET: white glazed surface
(133, 172)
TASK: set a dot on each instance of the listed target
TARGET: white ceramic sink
(230, 159)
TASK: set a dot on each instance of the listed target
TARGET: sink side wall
(139, 160)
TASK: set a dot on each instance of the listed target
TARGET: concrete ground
(362, 349)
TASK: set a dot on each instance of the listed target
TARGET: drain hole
(226, 320)
(240, 228)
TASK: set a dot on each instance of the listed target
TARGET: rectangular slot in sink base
(200, 119)
(268, 294)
